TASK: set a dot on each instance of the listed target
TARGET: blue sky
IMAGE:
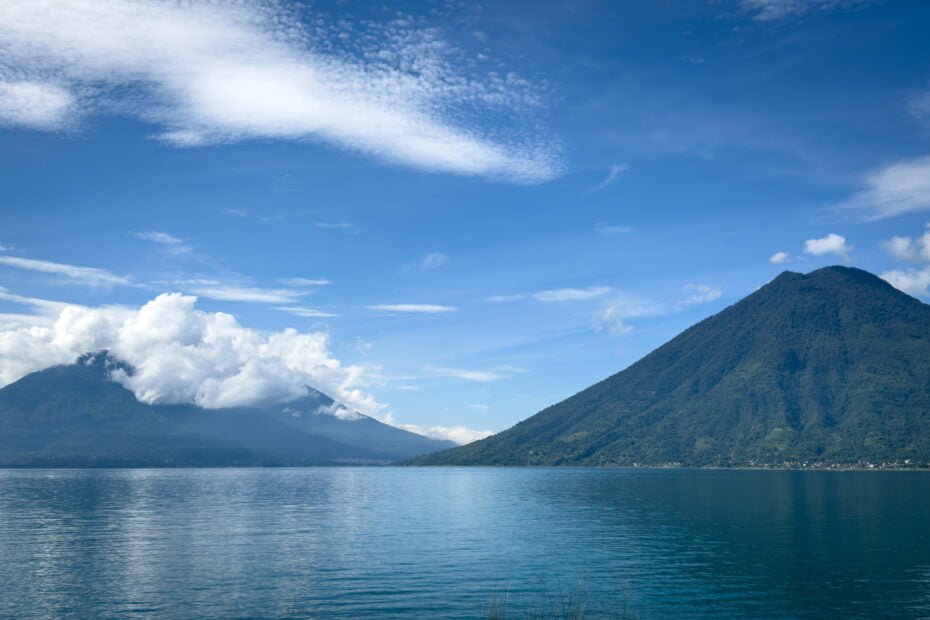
(481, 208)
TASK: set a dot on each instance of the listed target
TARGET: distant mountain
(830, 367)
(75, 416)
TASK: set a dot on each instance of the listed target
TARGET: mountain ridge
(826, 367)
(76, 416)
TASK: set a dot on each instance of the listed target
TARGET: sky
(447, 215)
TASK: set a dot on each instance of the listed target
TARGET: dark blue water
(424, 543)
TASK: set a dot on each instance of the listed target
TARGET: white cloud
(171, 243)
(608, 229)
(571, 294)
(305, 312)
(914, 282)
(612, 318)
(554, 295)
(5, 248)
(433, 260)
(831, 244)
(306, 281)
(779, 257)
(183, 355)
(46, 307)
(413, 308)
(498, 299)
(214, 72)
(34, 104)
(612, 175)
(904, 248)
(223, 292)
(457, 434)
(89, 275)
(903, 187)
(769, 10)
(345, 226)
(699, 294)
(480, 376)
(158, 237)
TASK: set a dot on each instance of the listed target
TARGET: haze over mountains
(75, 416)
(831, 367)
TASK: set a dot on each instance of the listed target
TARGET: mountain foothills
(75, 416)
(828, 368)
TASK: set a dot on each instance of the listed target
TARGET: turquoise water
(425, 543)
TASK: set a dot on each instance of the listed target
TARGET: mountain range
(76, 416)
(827, 368)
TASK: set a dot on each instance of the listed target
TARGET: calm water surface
(425, 543)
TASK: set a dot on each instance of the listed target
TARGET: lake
(444, 543)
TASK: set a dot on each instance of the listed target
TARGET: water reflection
(355, 542)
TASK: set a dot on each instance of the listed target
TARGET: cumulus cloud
(914, 282)
(699, 294)
(214, 72)
(770, 10)
(831, 244)
(779, 257)
(902, 187)
(184, 355)
(35, 105)
(88, 275)
(457, 434)
(413, 308)
(907, 249)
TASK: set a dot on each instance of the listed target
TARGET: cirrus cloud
(88, 275)
(899, 188)
(413, 308)
(215, 72)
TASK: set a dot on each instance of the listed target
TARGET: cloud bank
(184, 355)
(214, 72)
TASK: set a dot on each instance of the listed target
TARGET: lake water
(442, 543)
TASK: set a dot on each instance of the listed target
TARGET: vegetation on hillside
(832, 367)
